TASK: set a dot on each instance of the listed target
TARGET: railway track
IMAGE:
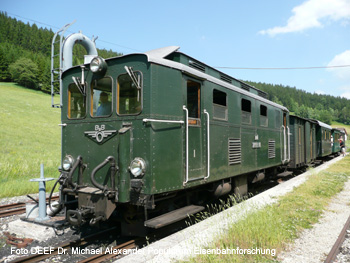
(118, 250)
(66, 248)
(16, 208)
(337, 245)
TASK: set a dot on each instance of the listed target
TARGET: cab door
(196, 169)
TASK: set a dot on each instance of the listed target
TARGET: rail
(15, 208)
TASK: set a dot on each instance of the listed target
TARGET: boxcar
(303, 141)
(336, 136)
(171, 126)
(297, 146)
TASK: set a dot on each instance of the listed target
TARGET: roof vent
(262, 94)
(196, 65)
(245, 87)
(226, 78)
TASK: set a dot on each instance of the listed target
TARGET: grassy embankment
(279, 224)
(29, 136)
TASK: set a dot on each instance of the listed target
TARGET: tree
(25, 72)
(4, 63)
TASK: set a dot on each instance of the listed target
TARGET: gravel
(344, 254)
(314, 244)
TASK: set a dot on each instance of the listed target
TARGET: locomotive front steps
(173, 216)
(285, 174)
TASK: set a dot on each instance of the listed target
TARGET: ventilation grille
(196, 65)
(234, 151)
(245, 87)
(262, 94)
(225, 78)
(272, 149)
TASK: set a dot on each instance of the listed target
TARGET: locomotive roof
(157, 56)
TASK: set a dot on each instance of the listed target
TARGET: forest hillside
(25, 58)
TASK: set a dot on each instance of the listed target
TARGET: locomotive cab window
(76, 103)
(263, 116)
(193, 102)
(246, 107)
(129, 100)
(101, 97)
(219, 105)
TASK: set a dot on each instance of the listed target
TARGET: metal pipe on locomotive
(173, 132)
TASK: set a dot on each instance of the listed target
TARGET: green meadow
(29, 136)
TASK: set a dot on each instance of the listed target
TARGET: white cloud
(320, 92)
(342, 59)
(346, 95)
(308, 15)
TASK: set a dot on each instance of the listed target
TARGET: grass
(279, 224)
(29, 136)
(341, 125)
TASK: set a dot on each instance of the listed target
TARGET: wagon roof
(322, 124)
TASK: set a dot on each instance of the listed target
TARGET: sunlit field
(29, 136)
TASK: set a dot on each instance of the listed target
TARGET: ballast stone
(30, 230)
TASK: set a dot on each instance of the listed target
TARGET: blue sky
(222, 33)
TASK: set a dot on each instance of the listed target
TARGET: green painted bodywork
(303, 141)
(163, 145)
(323, 136)
(336, 134)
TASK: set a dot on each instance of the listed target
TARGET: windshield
(101, 97)
(129, 95)
(76, 103)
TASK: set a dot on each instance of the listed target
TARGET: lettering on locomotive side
(256, 145)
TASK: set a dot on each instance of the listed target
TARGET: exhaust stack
(67, 49)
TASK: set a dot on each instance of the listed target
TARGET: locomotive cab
(98, 111)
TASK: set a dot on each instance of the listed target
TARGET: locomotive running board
(173, 216)
(284, 174)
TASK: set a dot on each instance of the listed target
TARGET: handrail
(59, 33)
(208, 145)
(163, 121)
(186, 110)
(284, 145)
(114, 168)
(288, 143)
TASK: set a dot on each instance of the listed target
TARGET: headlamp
(138, 167)
(67, 162)
(98, 65)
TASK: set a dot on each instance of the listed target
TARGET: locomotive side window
(129, 96)
(193, 102)
(76, 103)
(246, 107)
(219, 105)
(101, 97)
(263, 116)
